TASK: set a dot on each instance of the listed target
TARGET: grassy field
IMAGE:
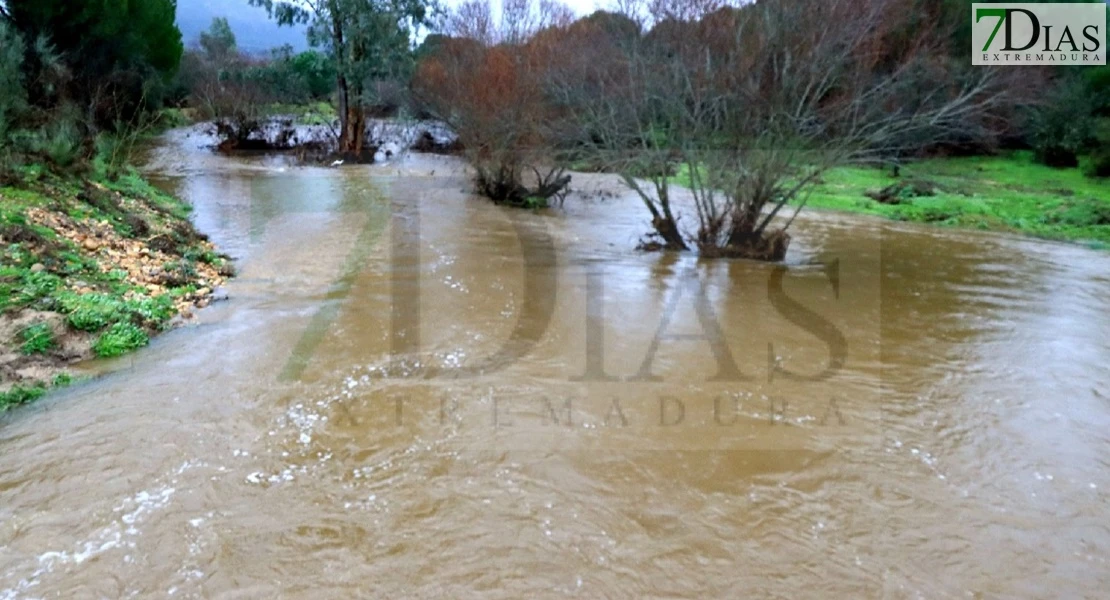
(1001, 193)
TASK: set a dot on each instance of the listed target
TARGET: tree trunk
(667, 229)
(346, 140)
(665, 224)
(768, 247)
(354, 132)
(344, 94)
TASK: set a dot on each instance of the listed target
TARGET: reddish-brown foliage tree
(494, 99)
(750, 102)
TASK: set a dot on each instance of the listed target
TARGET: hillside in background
(253, 28)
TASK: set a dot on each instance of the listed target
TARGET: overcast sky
(582, 7)
(256, 32)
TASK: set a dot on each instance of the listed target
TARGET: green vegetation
(93, 259)
(25, 394)
(310, 113)
(119, 340)
(54, 230)
(77, 72)
(93, 312)
(1004, 193)
(38, 266)
(367, 43)
(37, 339)
(1074, 122)
(20, 394)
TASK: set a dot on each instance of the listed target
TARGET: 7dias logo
(1038, 34)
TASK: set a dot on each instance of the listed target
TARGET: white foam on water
(121, 532)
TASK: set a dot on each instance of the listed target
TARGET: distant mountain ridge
(254, 30)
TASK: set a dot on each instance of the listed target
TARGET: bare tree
(683, 10)
(471, 20)
(519, 21)
(551, 13)
(488, 85)
(750, 105)
(636, 10)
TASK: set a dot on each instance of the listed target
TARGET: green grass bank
(91, 267)
(999, 193)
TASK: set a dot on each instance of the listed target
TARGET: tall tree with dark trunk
(367, 39)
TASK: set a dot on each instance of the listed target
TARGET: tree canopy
(97, 37)
(368, 39)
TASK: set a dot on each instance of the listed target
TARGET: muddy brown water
(381, 410)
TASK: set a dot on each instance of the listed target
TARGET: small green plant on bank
(26, 394)
(120, 339)
(19, 395)
(36, 286)
(91, 312)
(37, 339)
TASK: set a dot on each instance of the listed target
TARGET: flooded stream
(414, 393)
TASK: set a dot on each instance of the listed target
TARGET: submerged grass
(26, 394)
(20, 395)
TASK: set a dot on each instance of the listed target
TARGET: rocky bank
(92, 268)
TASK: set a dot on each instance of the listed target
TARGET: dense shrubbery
(1099, 160)
(1097, 82)
(117, 57)
(1072, 121)
(13, 97)
(1063, 128)
(77, 77)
